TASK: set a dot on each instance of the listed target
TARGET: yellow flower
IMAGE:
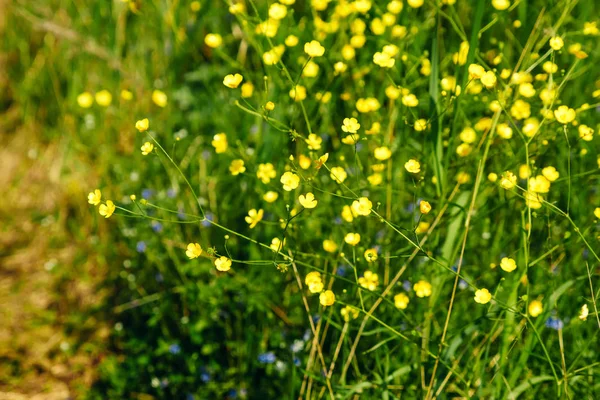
(95, 197)
(401, 301)
(223, 264)
(556, 43)
(476, 71)
(585, 132)
(237, 167)
(291, 41)
(463, 51)
(550, 173)
(147, 148)
(590, 28)
(410, 100)
(277, 11)
(395, 6)
(247, 90)
(159, 98)
(290, 181)
(464, 149)
(362, 206)
(535, 308)
(314, 49)
(468, 135)
(266, 172)
(424, 207)
(524, 171)
(213, 40)
(413, 166)
(219, 142)
(384, 60)
(348, 214)
(371, 255)
(564, 114)
(195, 6)
(106, 210)
(329, 246)
(382, 153)
(270, 106)
(104, 98)
(504, 131)
(194, 250)
(321, 161)
(500, 5)
(539, 184)
(338, 174)
(533, 200)
(308, 200)
(369, 104)
(298, 93)
(314, 282)
(508, 264)
(313, 141)
(597, 212)
(85, 100)
(375, 129)
(304, 162)
(327, 298)
(254, 217)
(369, 280)
(270, 196)
(483, 296)
(352, 238)
(349, 313)
(350, 125)
(420, 125)
(142, 125)
(583, 314)
(277, 244)
(488, 79)
(351, 139)
(415, 3)
(422, 288)
(232, 81)
(520, 109)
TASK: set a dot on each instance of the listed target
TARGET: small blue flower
(341, 271)
(141, 247)
(147, 193)
(171, 193)
(297, 361)
(156, 226)
(462, 284)
(297, 346)
(267, 358)
(406, 285)
(554, 323)
(306, 335)
(174, 348)
(232, 394)
(205, 377)
(209, 217)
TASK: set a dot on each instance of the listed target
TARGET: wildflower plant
(385, 198)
